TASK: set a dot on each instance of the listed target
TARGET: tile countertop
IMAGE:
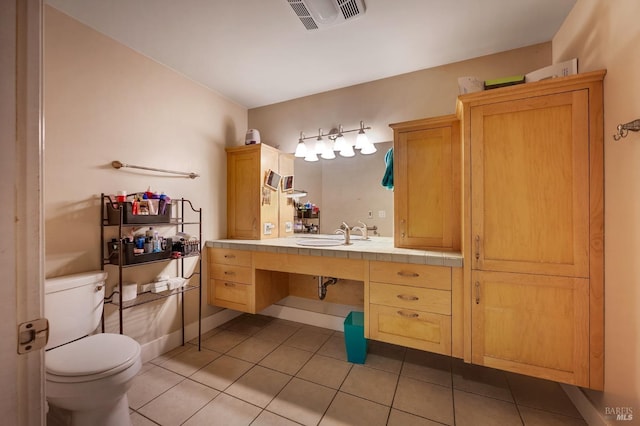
(376, 248)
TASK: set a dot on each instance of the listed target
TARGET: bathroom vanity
(412, 298)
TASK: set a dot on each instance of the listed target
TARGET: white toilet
(86, 374)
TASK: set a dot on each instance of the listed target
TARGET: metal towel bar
(118, 164)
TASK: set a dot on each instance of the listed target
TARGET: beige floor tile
(225, 410)
(325, 371)
(286, 359)
(223, 341)
(307, 339)
(258, 386)
(222, 372)
(247, 324)
(375, 385)
(302, 401)
(480, 380)
(205, 336)
(334, 347)
(353, 411)
(276, 332)
(400, 418)
(169, 354)
(424, 399)
(178, 403)
(188, 362)
(428, 367)
(477, 410)
(533, 417)
(140, 420)
(149, 385)
(293, 324)
(541, 394)
(315, 329)
(384, 356)
(270, 419)
(252, 349)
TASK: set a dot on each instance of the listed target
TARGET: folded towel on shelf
(387, 179)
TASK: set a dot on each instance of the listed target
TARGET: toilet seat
(91, 358)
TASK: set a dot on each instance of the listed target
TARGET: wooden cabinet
(234, 283)
(427, 183)
(410, 305)
(254, 209)
(533, 228)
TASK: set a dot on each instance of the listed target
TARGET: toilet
(87, 374)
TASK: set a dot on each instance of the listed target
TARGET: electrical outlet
(382, 214)
(288, 226)
(267, 228)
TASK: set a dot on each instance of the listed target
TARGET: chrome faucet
(362, 229)
(346, 232)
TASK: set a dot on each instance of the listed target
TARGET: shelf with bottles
(132, 234)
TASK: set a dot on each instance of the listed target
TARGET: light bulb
(311, 156)
(361, 140)
(301, 149)
(368, 148)
(347, 151)
(328, 154)
(340, 143)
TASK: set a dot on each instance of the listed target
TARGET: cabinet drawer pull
(477, 292)
(477, 248)
(229, 273)
(229, 285)
(407, 297)
(408, 274)
(229, 256)
(408, 314)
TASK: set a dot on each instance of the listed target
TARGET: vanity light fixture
(337, 142)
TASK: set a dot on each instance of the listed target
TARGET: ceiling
(257, 52)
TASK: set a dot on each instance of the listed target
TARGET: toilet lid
(93, 355)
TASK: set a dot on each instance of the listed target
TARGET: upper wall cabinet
(426, 167)
(254, 197)
(533, 228)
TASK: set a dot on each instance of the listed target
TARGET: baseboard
(157, 347)
(589, 413)
(311, 312)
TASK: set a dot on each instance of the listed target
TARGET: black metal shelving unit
(183, 216)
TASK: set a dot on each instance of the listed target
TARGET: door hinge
(33, 335)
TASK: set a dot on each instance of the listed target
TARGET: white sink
(319, 242)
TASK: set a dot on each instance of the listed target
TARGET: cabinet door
(243, 195)
(530, 185)
(425, 188)
(535, 325)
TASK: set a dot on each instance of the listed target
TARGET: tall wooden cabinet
(254, 209)
(426, 170)
(533, 228)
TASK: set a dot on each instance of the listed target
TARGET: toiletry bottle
(156, 243)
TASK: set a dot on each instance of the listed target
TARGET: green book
(504, 81)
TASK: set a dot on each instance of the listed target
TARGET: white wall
(105, 102)
(606, 35)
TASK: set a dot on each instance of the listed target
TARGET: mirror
(348, 189)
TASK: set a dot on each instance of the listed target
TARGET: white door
(21, 226)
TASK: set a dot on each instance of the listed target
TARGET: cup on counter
(121, 197)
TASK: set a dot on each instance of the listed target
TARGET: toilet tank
(73, 305)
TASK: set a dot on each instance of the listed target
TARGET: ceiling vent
(316, 14)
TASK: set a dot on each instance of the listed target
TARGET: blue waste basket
(354, 337)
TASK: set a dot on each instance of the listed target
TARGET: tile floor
(257, 370)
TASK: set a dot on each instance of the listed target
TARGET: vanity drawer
(411, 328)
(229, 257)
(238, 274)
(229, 294)
(409, 297)
(438, 277)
